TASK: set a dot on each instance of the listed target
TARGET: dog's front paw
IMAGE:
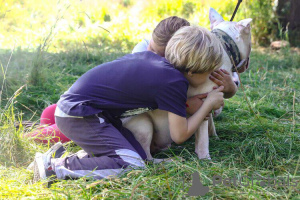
(203, 155)
(167, 160)
(218, 112)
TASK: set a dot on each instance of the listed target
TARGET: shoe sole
(39, 168)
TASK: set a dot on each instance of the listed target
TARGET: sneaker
(56, 151)
(42, 162)
(40, 171)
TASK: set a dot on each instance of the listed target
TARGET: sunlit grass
(264, 143)
(81, 24)
(259, 138)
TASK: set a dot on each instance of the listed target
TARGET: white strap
(60, 113)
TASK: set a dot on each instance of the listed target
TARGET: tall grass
(14, 149)
(269, 147)
(263, 143)
(26, 23)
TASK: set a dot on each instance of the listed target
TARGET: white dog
(151, 129)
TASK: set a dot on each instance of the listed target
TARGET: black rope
(236, 8)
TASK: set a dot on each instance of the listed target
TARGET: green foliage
(37, 77)
(264, 25)
(106, 18)
(188, 8)
(78, 20)
(126, 3)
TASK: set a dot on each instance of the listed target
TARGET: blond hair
(166, 28)
(194, 49)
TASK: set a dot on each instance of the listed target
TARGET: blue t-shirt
(130, 85)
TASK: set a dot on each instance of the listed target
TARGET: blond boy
(89, 112)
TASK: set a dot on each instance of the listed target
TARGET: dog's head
(240, 33)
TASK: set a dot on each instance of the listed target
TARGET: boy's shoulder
(141, 46)
(145, 59)
(144, 55)
(149, 64)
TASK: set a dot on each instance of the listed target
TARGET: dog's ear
(215, 18)
(244, 25)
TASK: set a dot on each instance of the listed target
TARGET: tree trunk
(289, 18)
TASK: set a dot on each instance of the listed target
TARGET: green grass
(261, 138)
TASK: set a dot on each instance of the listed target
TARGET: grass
(264, 142)
(259, 137)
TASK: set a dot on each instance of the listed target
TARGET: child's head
(194, 50)
(163, 32)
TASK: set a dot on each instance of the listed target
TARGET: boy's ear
(189, 73)
(215, 18)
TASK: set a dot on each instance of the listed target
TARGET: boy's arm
(222, 77)
(182, 129)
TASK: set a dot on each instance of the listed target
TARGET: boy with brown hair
(161, 35)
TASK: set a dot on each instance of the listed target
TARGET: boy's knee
(131, 157)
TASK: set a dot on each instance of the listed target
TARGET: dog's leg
(154, 148)
(202, 141)
(141, 127)
(218, 111)
(211, 127)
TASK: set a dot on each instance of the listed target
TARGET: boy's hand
(222, 77)
(194, 103)
(215, 98)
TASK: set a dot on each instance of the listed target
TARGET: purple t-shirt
(130, 85)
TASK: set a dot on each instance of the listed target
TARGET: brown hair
(194, 49)
(166, 29)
